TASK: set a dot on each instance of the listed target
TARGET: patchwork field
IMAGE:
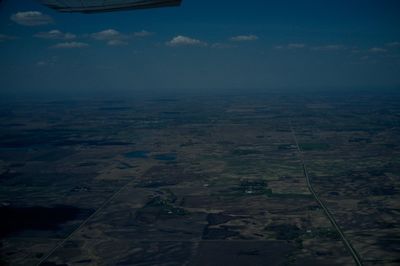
(201, 181)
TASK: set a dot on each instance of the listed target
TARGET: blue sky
(201, 46)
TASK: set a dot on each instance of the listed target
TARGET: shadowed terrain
(201, 180)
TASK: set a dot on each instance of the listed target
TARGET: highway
(331, 218)
(63, 241)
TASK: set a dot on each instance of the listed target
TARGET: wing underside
(94, 6)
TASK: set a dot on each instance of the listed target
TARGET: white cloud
(244, 38)
(116, 42)
(55, 35)
(47, 63)
(219, 45)
(31, 18)
(111, 37)
(185, 41)
(41, 63)
(393, 44)
(330, 47)
(70, 45)
(143, 33)
(107, 35)
(291, 46)
(377, 50)
(4, 38)
(296, 45)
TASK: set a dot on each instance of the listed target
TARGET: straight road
(346, 242)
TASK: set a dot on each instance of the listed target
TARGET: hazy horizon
(200, 47)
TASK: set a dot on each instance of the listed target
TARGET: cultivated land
(201, 181)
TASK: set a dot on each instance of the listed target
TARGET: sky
(201, 46)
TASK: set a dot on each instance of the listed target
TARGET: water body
(165, 157)
(137, 154)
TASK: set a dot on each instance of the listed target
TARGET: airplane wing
(95, 6)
